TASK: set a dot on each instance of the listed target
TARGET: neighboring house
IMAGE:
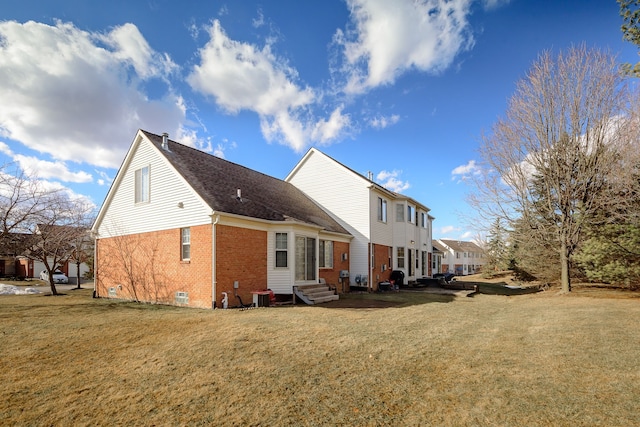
(390, 231)
(182, 226)
(461, 257)
(438, 254)
(14, 261)
(12, 247)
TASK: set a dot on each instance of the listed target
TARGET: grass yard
(408, 358)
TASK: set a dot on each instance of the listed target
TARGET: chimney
(165, 141)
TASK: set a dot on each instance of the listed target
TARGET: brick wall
(241, 256)
(332, 275)
(381, 256)
(147, 267)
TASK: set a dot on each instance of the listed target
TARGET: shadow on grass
(387, 300)
(501, 288)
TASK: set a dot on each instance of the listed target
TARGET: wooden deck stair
(315, 294)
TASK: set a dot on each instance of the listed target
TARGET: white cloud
(381, 122)
(78, 95)
(464, 172)
(494, 4)
(5, 149)
(241, 76)
(48, 170)
(328, 130)
(448, 229)
(259, 21)
(390, 181)
(390, 38)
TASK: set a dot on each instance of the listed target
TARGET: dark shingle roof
(264, 197)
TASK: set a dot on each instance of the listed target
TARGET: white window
(281, 250)
(326, 254)
(142, 185)
(399, 213)
(423, 216)
(382, 209)
(185, 237)
(400, 256)
(411, 213)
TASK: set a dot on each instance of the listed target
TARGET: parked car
(448, 277)
(58, 276)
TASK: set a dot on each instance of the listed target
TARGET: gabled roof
(371, 183)
(437, 246)
(461, 246)
(217, 182)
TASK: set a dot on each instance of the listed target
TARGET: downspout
(95, 264)
(213, 260)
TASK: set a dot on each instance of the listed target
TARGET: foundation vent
(182, 297)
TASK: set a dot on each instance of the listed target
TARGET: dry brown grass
(542, 359)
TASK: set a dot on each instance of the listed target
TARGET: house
(180, 226)
(438, 254)
(461, 257)
(390, 231)
(14, 262)
(12, 247)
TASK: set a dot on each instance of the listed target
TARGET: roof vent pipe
(165, 141)
(370, 176)
(238, 194)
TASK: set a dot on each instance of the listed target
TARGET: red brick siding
(147, 267)
(332, 275)
(241, 256)
(381, 256)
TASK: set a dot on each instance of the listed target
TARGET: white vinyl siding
(175, 204)
(345, 195)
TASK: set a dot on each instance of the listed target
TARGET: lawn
(407, 358)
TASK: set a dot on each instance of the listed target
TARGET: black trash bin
(397, 278)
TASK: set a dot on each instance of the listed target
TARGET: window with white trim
(400, 256)
(411, 213)
(399, 213)
(326, 254)
(185, 237)
(142, 185)
(281, 250)
(423, 223)
(382, 210)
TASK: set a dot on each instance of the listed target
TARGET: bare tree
(61, 232)
(550, 162)
(22, 201)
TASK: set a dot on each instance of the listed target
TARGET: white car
(58, 277)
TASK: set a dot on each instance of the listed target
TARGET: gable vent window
(185, 234)
(142, 185)
(182, 297)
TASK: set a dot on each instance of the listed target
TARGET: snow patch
(16, 290)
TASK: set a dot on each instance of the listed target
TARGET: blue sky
(403, 89)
